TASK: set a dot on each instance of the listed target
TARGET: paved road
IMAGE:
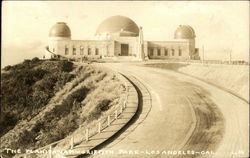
(186, 114)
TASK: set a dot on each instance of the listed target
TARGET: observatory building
(119, 37)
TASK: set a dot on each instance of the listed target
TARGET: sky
(220, 26)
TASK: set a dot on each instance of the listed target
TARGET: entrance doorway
(124, 49)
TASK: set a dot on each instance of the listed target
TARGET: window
(74, 51)
(166, 52)
(89, 51)
(53, 49)
(159, 52)
(66, 51)
(180, 52)
(96, 51)
(81, 50)
(172, 52)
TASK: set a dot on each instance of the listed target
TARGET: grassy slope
(79, 102)
(27, 87)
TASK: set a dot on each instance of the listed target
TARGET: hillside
(52, 99)
(27, 87)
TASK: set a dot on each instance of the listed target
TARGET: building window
(89, 51)
(74, 51)
(53, 49)
(166, 52)
(66, 51)
(172, 52)
(96, 51)
(81, 50)
(180, 52)
(159, 52)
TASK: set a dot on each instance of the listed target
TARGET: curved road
(187, 116)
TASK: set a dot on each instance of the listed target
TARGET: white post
(108, 120)
(50, 151)
(72, 142)
(87, 134)
(124, 104)
(121, 109)
(99, 127)
(116, 114)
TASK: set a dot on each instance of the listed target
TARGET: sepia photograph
(129, 79)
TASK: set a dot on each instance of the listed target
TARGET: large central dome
(118, 24)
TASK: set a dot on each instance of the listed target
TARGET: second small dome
(60, 29)
(184, 32)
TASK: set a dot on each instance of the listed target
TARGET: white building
(120, 37)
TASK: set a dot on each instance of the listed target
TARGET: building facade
(119, 37)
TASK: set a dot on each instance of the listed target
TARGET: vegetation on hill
(27, 87)
(57, 99)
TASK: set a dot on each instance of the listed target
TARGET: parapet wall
(234, 78)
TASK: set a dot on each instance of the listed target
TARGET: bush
(7, 122)
(66, 66)
(36, 59)
(80, 94)
(104, 105)
(74, 98)
(7, 68)
(26, 139)
(26, 61)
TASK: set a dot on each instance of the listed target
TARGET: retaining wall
(233, 78)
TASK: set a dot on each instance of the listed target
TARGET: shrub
(26, 139)
(7, 122)
(66, 66)
(7, 68)
(26, 61)
(80, 94)
(36, 59)
(104, 105)
(74, 98)
(63, 79)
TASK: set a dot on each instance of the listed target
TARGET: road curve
(220, 125)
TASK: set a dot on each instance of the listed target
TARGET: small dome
(118, 24)
(184, 32)
(60, 29)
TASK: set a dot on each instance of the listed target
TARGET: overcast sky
(219, 26)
